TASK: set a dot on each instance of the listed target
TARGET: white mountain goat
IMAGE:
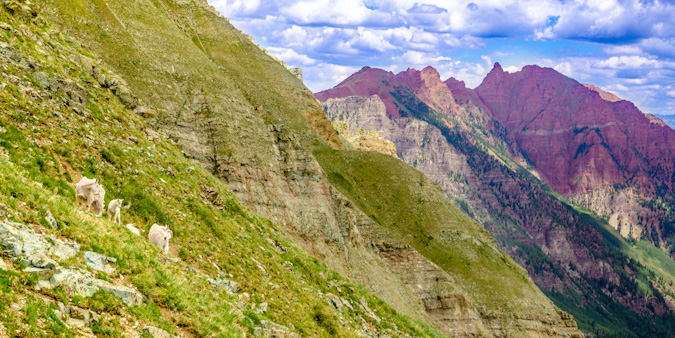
(90, 195)
(133, 229)
(160, 235)
(114, 210)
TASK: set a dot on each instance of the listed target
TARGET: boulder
(98, 262)
(368, 312)
(125, 95)
(223, 284)
(334, 301)
(42, 274)
(46, 81)
(50, 219)
(127, 295)
(297, 72)
(79, 284)
(274, 330)
(20, 241)
(64, 250)
(156, 332)
(145, 112)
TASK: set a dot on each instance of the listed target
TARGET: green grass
(415, 209)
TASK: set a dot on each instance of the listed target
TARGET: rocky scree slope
(569, 254)
(251, 123)
(66, 273)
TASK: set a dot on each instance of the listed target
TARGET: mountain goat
(90, 195)
(160, 235)
(133, 229)
(114, 208)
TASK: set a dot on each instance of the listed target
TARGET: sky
(626, 47)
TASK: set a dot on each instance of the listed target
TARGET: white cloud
(659, 46)
(487, 60)
(415, 58)
(628, 62)
(620, 20)
(325, 76)
(565, 68)
(291, 57)
(512, 69)
(623, 49)
(471, 73)
(500, 54)
(671, 93)
(231, 8)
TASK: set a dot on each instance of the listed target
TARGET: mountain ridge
(481, 166)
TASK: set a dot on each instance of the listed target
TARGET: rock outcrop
(41, 256)
(297, 72)
(366, 140)
(607, 96)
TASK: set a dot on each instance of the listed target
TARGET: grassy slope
(45, 144)
(390, 191)
(164, 48)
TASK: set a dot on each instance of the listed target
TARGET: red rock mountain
(577, 140)
(426, 85)
(604, 154)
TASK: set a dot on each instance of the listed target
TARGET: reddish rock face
(607, 96)
(426, 85)
(366, 82)
(577, 140)
(585, 143)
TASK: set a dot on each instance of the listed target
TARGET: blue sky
(623, 46)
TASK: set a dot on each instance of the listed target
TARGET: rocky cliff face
(366, 140)
(603, 154)
(566, 253)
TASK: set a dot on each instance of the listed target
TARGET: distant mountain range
(573, 182)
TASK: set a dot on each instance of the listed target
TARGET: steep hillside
(248, 121)
(570, 255)
(482, 283)
(64, 272)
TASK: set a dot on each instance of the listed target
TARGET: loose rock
(98, 262)
(50, 219)
(156, 332)
(334, 301)
(274, 330)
